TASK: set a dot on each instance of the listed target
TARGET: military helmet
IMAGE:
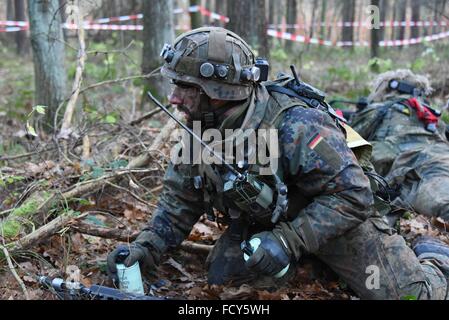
(215, 59)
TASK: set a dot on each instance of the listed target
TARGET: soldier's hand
(270, 257)
(136, 253)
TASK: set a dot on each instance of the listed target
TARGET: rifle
(77, 291)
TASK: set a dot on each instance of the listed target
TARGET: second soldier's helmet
(216, 60)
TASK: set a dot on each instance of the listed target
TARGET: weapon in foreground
(66, 290)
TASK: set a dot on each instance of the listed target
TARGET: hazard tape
(114, 27)
(363, 24)
(13, 29)
(203, 11)
(389, 43)
(14, 23)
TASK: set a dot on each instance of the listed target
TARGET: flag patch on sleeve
(315, 141)
(325, 151)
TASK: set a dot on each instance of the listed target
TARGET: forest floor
(125, 205)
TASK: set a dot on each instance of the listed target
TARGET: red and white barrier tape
(13, 29)
(391, 43)
(14, 23)
(363, 24)
(201, 9)
(115, 27)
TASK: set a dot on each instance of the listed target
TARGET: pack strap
(310, 102)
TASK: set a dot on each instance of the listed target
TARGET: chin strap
(207, 112)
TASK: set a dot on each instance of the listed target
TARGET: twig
(98, 84)
(145, 117)
(127, 236)
(156, 189)
(14, 273)
(26, 154)
(132, 194)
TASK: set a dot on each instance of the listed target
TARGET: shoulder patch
(319, 145)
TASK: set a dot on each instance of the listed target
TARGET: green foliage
(380, 65)
(445, 117)
(9, 180)
(410, 297)
(279, 55)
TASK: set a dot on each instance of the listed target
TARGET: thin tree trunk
(158, 15)
(323, 19)
(22, 45)
(348, 16)
(10, 10)
(196, 20)
(383, 8)
(248, 20)
(401, 14)
(48, 55)
(416, 16)
(291, 16)
(375, 35)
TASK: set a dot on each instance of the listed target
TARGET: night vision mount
(209, 70)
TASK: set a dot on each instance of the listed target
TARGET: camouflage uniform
(408, 155)
(330, 214)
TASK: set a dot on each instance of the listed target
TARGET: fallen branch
(128, 236)
(43, 232)
(42, 201)
(14, 273)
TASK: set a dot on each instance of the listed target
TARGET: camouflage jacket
(328, 191)
(394, 129)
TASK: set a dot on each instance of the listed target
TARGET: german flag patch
(315, 141)
(326, 152)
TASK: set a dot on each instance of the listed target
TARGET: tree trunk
(158, 30)
(196, 20)
(375, 32)
(22, 44)
(348, 16)
(401, 15)
(10, 10)
(48, 55)
(323, 19)
(383, 9)
(416, 16)
(248, 20)
(291, 15)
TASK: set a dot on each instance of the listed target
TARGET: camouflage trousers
(374, 263)
(428, 195)
(424, 179)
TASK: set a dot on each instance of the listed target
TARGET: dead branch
(128, 236)
(145, 117)
(14, 273)
(42, 233)
(41, 201)
(67, 121)
(99, 84)
(25, 155)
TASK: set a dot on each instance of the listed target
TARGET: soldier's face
(187, 99)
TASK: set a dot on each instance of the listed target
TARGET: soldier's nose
(175, 99)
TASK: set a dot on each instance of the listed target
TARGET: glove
(271, 256)
(137, 253)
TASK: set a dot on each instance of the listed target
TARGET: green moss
(11, 228)
(26, 209)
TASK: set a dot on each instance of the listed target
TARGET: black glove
(136, 253)
(271, 256)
